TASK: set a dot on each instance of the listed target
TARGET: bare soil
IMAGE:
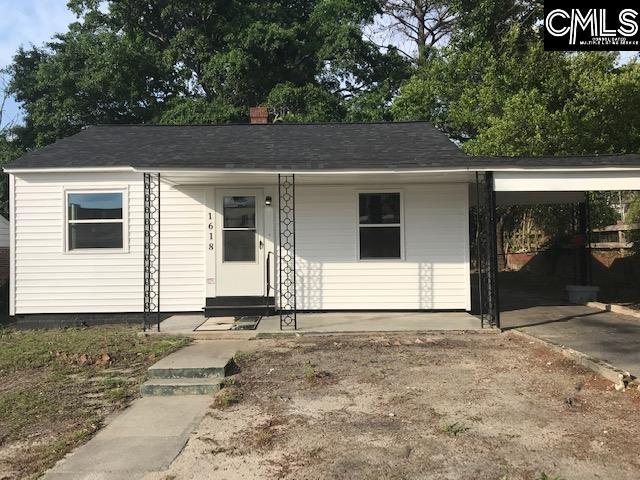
(446, 406)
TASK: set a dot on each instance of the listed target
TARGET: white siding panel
(50, 280)
(182, 262)
(434, 273)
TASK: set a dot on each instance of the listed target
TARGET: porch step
(237, 311)
(240, 301)
(239, 306)
(180, 386)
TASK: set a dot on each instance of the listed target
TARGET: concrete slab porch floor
(374, 322)
(333, 322)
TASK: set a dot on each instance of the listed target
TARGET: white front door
(240, 252)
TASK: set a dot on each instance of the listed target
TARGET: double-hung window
(95, 220)
(380, 225)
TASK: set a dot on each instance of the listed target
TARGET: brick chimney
(259, 115)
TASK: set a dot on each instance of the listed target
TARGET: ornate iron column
(287, 251)
(487, 249)
(151, 250)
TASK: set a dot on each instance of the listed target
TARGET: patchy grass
(229, 395)
(57, 387)
(454, 428)
(241, 357)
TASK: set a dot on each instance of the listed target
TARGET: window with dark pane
(95, 220)
(239, 228)
(379, 226)
(239, 212)
(95, 206)
(95, 235)
(239, 246)
(379, 208)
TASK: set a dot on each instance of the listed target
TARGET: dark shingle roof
(359, 146)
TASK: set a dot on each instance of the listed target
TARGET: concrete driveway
(604, 335)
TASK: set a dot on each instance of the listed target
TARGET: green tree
(200, 61)
(9, 146)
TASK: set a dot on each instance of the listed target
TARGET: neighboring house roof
(274, 147)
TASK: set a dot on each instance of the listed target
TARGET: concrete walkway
(146, 437)
(608, 336)
(152, 432)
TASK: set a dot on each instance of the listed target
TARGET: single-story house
(140, 219)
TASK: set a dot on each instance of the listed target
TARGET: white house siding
(433, 275)
(50, 280)
(182, 259)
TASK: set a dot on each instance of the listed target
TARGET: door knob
(261, 244)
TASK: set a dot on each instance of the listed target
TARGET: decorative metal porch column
(151, 250)
(287, 251)
(487, 250)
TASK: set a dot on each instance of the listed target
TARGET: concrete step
(180, 386)
(198, 360)
(237, 310)
(194, 372)
(240, 301)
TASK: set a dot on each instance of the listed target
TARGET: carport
(542, 311)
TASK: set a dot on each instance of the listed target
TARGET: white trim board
(566, 181)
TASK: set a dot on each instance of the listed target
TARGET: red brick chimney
(259, 115)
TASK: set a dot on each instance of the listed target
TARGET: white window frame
(374, 225)
(124, 191)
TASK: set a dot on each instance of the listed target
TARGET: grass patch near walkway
(58, 386)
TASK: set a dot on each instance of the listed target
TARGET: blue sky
(26, 22)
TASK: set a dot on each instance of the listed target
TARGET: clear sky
(26, 22)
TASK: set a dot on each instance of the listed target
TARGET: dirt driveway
(465, 406)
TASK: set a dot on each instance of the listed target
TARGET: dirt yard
(463, 406)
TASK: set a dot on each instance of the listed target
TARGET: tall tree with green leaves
(496, 91)
(201, 61)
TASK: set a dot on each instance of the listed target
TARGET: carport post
(584, 229)
(492, 251)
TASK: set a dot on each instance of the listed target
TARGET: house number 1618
(210, 233)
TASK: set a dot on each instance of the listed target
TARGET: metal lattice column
(151, 250)
(487, 250)
(287, 250)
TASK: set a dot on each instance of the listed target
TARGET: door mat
(217, 324)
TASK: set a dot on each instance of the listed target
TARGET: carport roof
(282, 147)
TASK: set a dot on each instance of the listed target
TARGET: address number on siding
(210, 232)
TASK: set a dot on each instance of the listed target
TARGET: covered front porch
(427, 276)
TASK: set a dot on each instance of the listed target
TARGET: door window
(239, 229)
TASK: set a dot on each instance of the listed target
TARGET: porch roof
(283, 147)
